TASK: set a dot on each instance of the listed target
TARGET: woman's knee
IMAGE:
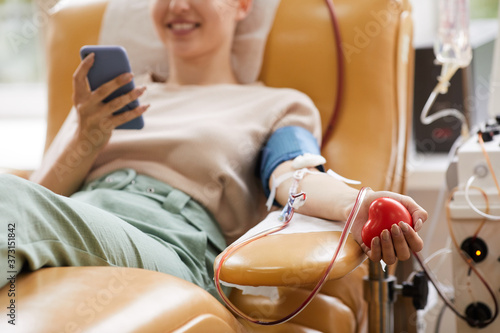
(21, 190)
(11, 183)
(20, 199)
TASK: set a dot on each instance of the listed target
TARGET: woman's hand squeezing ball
(387, 225)
(383, 214)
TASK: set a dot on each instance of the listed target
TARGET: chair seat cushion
(113, 299)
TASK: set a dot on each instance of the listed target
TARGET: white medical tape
(303, 162)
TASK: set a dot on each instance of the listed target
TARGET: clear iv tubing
(471, 205)
(473, 177)
(447, 73)
(441, 195)
(340, 246)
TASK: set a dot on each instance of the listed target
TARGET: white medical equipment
(474, 216)
(474, 212)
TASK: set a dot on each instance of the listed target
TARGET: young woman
(170, 196)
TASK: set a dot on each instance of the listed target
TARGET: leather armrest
(276, 260)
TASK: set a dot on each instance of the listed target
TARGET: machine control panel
(477, 236)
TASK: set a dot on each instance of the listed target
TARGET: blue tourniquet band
(285, 144)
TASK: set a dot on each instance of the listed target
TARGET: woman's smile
(182, 27)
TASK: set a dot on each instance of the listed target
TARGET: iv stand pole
(379, 290)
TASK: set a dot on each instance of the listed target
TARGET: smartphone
(109, 62)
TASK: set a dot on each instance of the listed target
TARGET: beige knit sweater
(204, 141)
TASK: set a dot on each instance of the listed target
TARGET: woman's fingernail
(418, 225)
(127, 77)
(403, 226)
(140, 91)
(395, 230)
(376, 241)
(89, 58)
(385, 234)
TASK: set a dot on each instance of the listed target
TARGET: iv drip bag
(452, 45)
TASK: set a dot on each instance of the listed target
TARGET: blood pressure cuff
(285, 144)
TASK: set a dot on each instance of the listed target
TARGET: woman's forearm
(327, 197)
(332, 199)
(68, 171)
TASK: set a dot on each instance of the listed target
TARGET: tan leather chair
(368, 143)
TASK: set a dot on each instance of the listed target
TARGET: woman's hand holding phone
(65, 173)
(95, 117)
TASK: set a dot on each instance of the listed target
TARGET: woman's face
(191, 28)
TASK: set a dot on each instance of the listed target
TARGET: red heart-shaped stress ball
(383, 213)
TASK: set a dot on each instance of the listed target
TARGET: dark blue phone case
(109, 62)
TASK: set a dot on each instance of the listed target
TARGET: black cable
(472, 322)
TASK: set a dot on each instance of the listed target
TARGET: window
(22, 81)
(20, 49)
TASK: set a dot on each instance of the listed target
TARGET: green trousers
(123, 219)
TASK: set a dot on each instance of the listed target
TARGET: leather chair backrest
(370, 134)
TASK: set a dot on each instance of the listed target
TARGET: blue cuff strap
(285, 144)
